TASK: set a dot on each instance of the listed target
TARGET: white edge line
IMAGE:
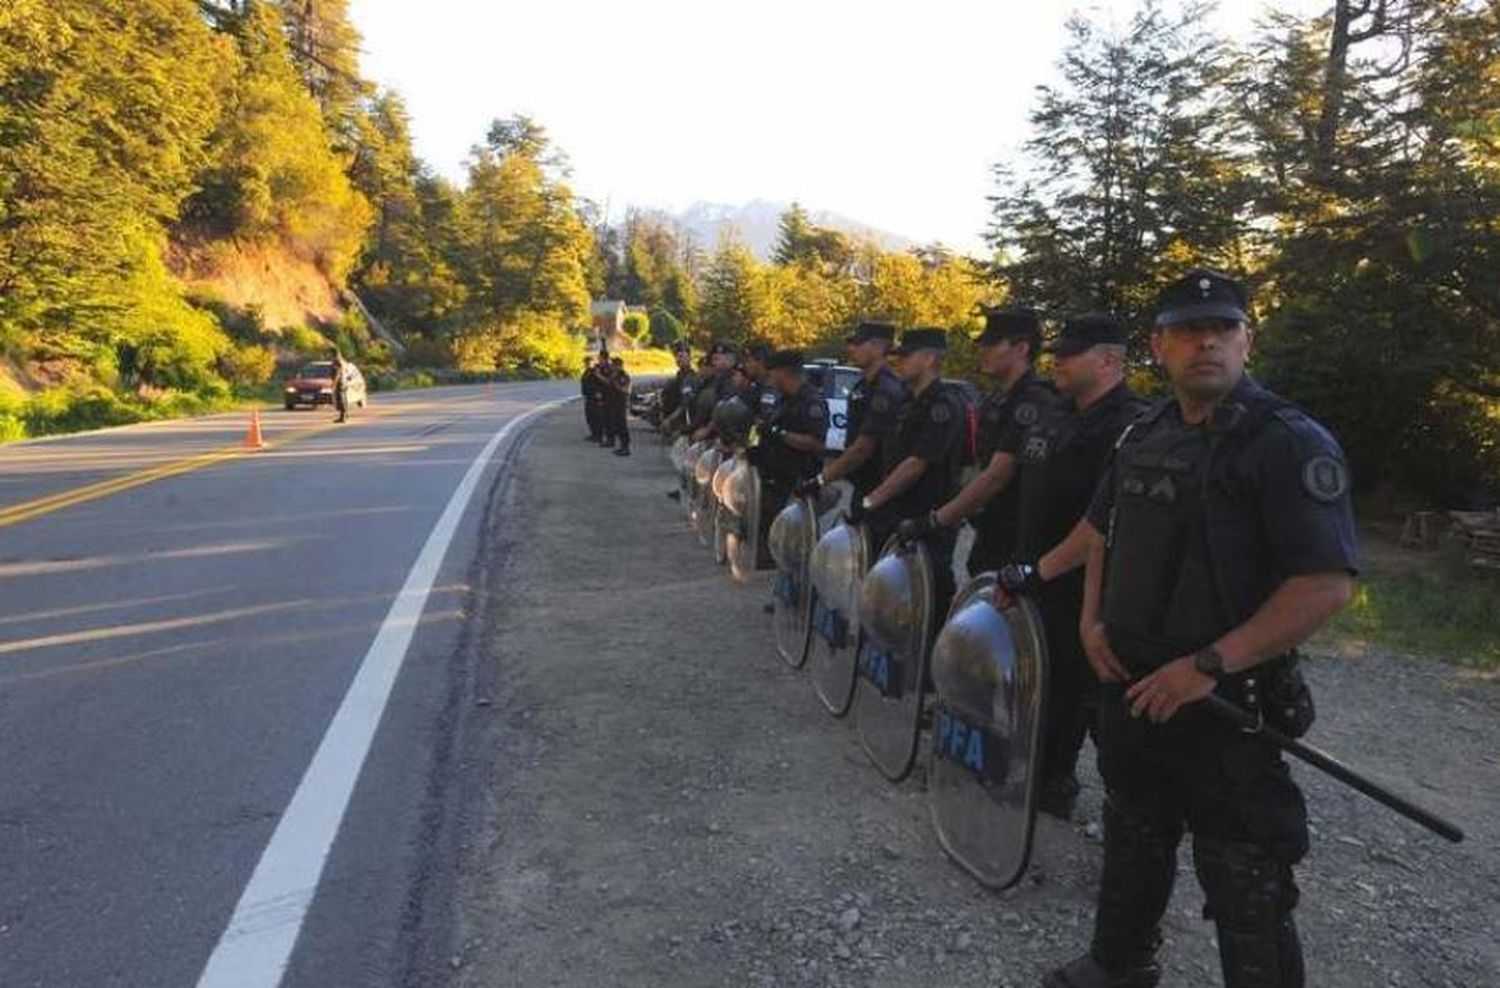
(254, 949)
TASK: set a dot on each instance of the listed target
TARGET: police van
(834, 381)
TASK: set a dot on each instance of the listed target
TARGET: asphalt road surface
(184, 626)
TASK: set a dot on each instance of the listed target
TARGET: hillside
(757, 223)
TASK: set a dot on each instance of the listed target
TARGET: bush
(247, 366)
(637, 326)
(305, 342)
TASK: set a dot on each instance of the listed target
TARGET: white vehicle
(835, 381)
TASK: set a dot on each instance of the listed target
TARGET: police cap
(1089, 329)
(787, 359)
(922, 338)
(719, 346)
(1202, 294)
(758, 351)
(872, 329)
(1016, 322)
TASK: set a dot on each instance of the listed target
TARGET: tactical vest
(1170, 511)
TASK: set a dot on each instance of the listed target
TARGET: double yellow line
(28, 510)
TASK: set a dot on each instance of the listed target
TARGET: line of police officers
(1173, 549)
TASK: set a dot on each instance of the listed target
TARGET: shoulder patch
(1027, 413)
(880, 402)
(941, 413)
(1325, 479)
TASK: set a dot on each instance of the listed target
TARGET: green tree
(1129, 173)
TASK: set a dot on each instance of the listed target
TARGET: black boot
(1059, 796)
(1085, 972)
(1140, 864)
(1250, 897)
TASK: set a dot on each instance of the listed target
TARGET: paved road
(176, 636)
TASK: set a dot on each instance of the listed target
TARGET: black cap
(1202, 294)
(759, 351)
(872, 329)
(1088, 330)
(720, 346)
(922, 338)
(1016, 322)
(791, 359)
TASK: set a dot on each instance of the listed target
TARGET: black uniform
(874, 411)
(617, 407)
(675, 392)
(1004, 419)
(593, 404)
(932, 427)
(781, 467)
(1062, 458)
(1203, 523)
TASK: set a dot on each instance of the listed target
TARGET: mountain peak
(757, 223)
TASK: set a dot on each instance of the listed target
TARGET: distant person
(677, 391)
(617, 406)
(340, 386)
(592, 407)
(792, 440)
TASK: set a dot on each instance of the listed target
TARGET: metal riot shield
(989, 668)
(703, 501)
(690, 480)
(794, 533)
(719, 488)
(895, 613)
(838, 566)
(677, 452)
(743, 500)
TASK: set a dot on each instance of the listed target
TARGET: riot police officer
(875, 404)
(991, 500)
(759, 396)
(1220, 538)
(792, 439)
(714, 385)
(924, 459)
(617, 406)
(1062, 458)
(676, 391)
(592, 405)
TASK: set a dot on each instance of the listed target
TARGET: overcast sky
(890, 113)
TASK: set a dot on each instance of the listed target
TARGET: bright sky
(888, 112)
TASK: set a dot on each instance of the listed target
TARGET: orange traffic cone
(253, 438)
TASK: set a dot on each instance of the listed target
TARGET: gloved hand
(756, 456)
(774, 433)
(1016, 579)
(914, 529)
(809, 487)
(855, 513)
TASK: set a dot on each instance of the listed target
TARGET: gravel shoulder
(647, 796)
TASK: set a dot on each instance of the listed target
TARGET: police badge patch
(880, 403)
(1027, 414)
(941, 413)
(1325, 479)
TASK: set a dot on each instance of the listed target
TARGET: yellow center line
(29, 510)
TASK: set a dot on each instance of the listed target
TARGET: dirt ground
(655, 799)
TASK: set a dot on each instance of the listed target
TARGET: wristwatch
(1209, 662)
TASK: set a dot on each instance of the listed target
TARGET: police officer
(759, 396)
(875, 404)
(1221, 538)
(617, 405)
(792, 440)
(592, 403)
(924, 458)
(1062, 458)
(676, 391)
(340, 385)
(991, 500)
(714, 385)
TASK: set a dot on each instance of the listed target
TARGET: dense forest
(171, 170)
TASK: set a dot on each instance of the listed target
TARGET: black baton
(1325, 762)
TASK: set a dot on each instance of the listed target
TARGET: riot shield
(690, 480)
(793, 534)
(838, 566)
(989, 668)
(677, 452)
(721, 519)
(895, 614)
(703, 500)
(743, 498)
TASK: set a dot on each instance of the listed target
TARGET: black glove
(855, 513)
(775, 432)
(1019, 579)
(915, 529)
(809, 487)
(756, 456)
